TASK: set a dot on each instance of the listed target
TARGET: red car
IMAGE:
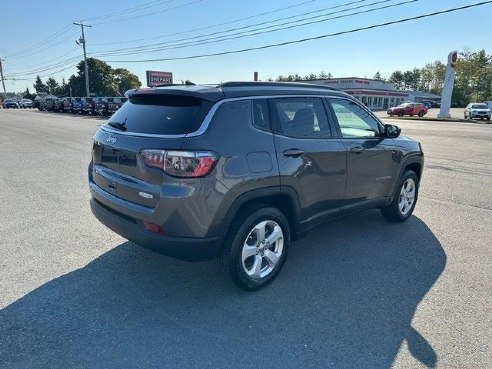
(408, 109)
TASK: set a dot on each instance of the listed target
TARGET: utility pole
(82, 42)
(3, 80)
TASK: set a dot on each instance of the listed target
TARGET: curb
(427, 119)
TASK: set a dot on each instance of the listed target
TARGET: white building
(376, 95)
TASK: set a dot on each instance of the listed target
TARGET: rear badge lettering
(111, 139)
(145, 195)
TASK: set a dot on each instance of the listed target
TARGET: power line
(43, 69)
(148, 14)
(41, 76)
(46, 41)
(129, 10)
(46, 63)
(380, 25)
(262, 30)
(211, 26)
(257, 24)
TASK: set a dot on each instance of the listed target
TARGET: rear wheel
(256, 248)
(405, 199)
(421, 113)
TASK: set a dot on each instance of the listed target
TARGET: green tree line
(473, 82)
(103, 81)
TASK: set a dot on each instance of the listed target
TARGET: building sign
(155, 78)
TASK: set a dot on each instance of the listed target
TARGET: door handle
(293, 153)
(356, 150)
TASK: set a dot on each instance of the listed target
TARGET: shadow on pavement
(345, 299)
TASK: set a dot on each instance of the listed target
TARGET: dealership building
(376, 95)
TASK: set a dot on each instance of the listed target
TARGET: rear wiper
(118, 125)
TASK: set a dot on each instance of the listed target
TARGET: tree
(63, 89)
(311, 77)
(378, 77)
(101, 79)
(398, 79)
(52, 85)
(125, 80)
(28, 95)
(39, 86)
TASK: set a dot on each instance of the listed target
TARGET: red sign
(155, 78)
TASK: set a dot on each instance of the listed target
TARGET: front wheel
(421, 113)
(256, 248)
(405, 199)
(400, 114)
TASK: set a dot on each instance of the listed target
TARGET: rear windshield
(161, 114)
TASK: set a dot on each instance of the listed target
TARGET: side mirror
(391, 131)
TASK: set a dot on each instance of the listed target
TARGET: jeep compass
(240, 170)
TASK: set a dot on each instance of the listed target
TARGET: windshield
(403, 105)
(479, 106)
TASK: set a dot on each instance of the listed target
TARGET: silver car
(477, 110)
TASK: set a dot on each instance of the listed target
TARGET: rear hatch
(145, 122)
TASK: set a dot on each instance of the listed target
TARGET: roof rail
(274, 84)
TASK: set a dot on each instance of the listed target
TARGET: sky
(39, 37)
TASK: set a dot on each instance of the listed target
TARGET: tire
(421, 113)
(251, 263)
(400, 209)
(392, 115)
(400, 114)
(488, 119)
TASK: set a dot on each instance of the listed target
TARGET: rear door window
(161, 114)
(301, 117)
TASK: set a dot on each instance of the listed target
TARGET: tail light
(189, 164)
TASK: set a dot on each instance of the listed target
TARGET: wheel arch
(285, 200)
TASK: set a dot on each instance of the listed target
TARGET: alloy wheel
(262, 249)
(407, 196)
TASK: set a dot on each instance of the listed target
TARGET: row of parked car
(17, 104)
(104, 106)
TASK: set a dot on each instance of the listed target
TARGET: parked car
(10, 104)
(58, 106)
(477, 110)
(427, 104)
(66, 104)
(46, 104)
(78, 105)
(410, 109)
(114, 103)
(239, 170)
(101, 106)
(25, 103)
(88, 106)
(49, 104)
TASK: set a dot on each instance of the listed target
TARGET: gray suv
(239, 170)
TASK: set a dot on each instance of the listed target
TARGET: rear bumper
(190, 249)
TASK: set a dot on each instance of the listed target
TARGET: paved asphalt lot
(356, 293)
